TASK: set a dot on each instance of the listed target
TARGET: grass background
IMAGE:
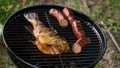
(106, 11)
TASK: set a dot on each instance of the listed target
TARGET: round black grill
(24, 53)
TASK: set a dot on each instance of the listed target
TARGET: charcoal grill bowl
(22, 64)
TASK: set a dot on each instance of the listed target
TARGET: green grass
(75, 4)
(98, 66)
(113, 54)
(6, 62)
(8, 7)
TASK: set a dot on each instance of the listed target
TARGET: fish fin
(30, 29)
(31, 17)
(34, 42)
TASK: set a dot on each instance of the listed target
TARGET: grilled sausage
(77, 29)
(75, 24)
(86, 41)
(79, 44)
(79, 33)
(59, 16)
(68, 14)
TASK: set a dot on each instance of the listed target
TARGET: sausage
(79, 44)
(77, 29)
(68, 14)
(65, 15)
(79, 33)
(86, 40)
(76, 48)
(59, 16)
(75, 24)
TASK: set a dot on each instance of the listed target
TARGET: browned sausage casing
(59, 16)
(77, 29)
(68, 14)
(76, 24)
(79, 44)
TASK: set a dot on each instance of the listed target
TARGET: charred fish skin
(46, 40)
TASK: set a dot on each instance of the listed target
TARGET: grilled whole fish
(47, 41)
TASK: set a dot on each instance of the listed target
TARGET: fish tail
(32, 18)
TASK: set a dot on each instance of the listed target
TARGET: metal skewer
(55, 32)
(50, 24)
(61, 61)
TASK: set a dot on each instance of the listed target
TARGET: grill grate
(17, 39)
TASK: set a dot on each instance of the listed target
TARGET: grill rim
(100, 32)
